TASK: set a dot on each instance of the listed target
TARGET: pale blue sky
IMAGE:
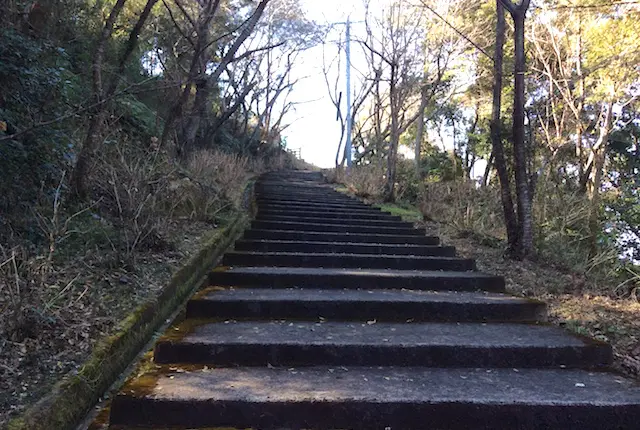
(314, 127)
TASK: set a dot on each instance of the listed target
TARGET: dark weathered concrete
(343, 247)
(377, 398)
(364, 305)
(285, 343)
(318, 236)
(306, 198)
(336, 221)
(308, 259)
(320, 208)
(327, 214)
(336, 228)
(346, 206)
(279, 277)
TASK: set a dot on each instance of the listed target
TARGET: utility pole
(349, 124)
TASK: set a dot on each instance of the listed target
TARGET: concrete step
(294, 174)
(343, 247)
(311, 197)
(299, 188)
(336, 228)
(318, 201)
(318, 205)
(302, 343)
(323, 211)
(293, 183)
(302, 195)
(365, 398)
(288, 186)
(302, 187)
(308, 259)
(382, 216)
(313, 205)
(302, 192)
(338, 221)
(362, 305)
(318, 236)
(282, 277)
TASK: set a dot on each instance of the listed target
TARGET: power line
(591, 6)
(460, 33)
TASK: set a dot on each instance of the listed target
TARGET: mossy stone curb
(72, 398)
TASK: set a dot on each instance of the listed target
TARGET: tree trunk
(78, 183)
(230, 110)
(198, 113)
(198, 116)
(597, 172)
(92, 141)
(197, 71)
(487, 171)
(390, 193)
(420, 131)
(496, 138)
(340, 149)
(525, 217)
(196, 68)
(582, 175)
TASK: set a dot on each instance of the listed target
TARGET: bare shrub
(133, 186)
(335, 176)
(214, 182)
(19, 276)
(278, 161)
(366, 181)
(56, 220)
(33, 290)
(281, 159)
(464, 207)
(562, 227)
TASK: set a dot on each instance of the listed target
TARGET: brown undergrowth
(89, 266)
(84, 300)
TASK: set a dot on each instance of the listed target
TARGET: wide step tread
(336, 228)
(344, 247)
(291, 343)
(364, 398)
(359, 216)
(319, 236)
(281, 277)
(338, 221)
(306, 259)
(362, 305)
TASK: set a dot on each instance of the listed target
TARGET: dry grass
(213, 183)
(366, 181)
(464, 207)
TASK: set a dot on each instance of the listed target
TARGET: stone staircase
(330, 314)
